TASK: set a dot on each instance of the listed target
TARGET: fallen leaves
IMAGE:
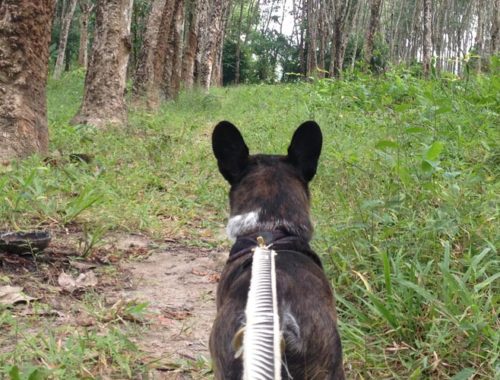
(70, 284)
(11, 295)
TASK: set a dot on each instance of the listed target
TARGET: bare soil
(179, 285)
(176, 282)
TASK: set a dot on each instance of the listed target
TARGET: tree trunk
(375, 8)
(495, 28)
(427, 46)
(343, 16)
(479, 44)
(238, 47)
(189, 59)
(86, 8)
(25, 28)
(63, 38)
(172, 73)
(154, 91)
(144, 74)
(209, 55)
(322, 37)
(103, 99)
(312, 36)
(395, 41)
(202, 39)
(416, 31)
(438, 32)
(216, 79)
(298, 12)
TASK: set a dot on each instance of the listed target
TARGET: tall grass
(405, 201)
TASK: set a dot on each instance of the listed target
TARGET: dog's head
(268, 192)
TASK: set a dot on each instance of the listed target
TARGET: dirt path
(178, 284)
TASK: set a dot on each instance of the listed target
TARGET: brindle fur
(278, 187)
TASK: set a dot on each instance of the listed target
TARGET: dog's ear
(230, 150)
(305, 148)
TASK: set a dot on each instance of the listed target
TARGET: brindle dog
(269, 197)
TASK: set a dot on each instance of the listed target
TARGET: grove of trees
(163, 46)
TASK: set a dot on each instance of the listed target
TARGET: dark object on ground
(24, 242)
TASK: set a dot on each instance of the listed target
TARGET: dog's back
(269, 197)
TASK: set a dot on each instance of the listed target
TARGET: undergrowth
(405, 204)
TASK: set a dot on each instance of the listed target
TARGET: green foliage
(411, 227)
(229, 63)
(405, 205)
(267, 58)
(73, 43)
(77, 355)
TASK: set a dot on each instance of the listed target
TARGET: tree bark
(375, 8)
(189, 59)
(427, 46)
(86, 8)
(202, 39)
(322, 38)
(144, 74)
(238, 47)
(173, 65)
(438, 32)
(154, 91)
(479, 41)
(312, 36)
(209, 54)
(25, 28)
(103, 99)
(343, 17)
(216, 79)
(495, 28)
(63, 38)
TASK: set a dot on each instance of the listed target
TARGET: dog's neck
(251, 222)
(278, 240)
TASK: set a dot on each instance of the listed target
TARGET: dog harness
(278, 240)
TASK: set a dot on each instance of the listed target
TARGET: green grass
(405, 205)
(40, 347)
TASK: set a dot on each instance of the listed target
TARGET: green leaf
(37, 374)
(404, 175)
(417, 374)
(387, 272)
(443, 109)
(486, 282)
(434, 151)
(14, 373)
(384, 311)
(464, 374)
(403, 107)
(427, 166)
(415, 130)
(372, 204)
(383, 144)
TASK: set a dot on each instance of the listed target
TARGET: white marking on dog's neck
(242, 224)
(250, 222)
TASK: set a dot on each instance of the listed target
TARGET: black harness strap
(278, 240)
